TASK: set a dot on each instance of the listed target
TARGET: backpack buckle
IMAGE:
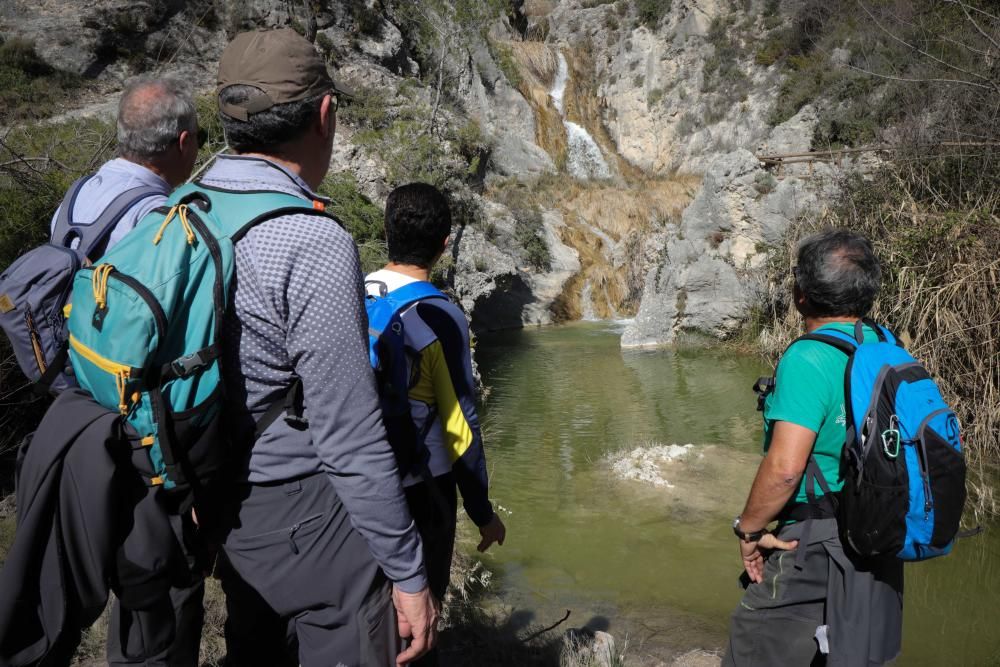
(762, 387)
(184, 366)
(297, 422)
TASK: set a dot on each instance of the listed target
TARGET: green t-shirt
(809, 391)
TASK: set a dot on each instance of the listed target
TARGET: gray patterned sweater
(298, 309)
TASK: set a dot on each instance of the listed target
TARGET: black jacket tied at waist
(86, 523)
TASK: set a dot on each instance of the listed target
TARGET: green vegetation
(764, 182)
(885, 75)
(722, 73)
(416, 147)
(528, 223)
(505, 61)
(29, 88)
(652, 11)
(360, 217)
(367, 19)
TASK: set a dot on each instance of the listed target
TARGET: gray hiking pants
(296, 572)
(860, 607)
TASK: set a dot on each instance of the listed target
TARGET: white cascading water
(584, 159)
(587, 302)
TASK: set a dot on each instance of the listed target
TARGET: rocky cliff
(601, 154)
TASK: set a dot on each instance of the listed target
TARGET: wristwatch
(747, 537)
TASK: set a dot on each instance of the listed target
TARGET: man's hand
(492, 532)
(417, 616)
(753, 556)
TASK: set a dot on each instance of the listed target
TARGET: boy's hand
(492, 532)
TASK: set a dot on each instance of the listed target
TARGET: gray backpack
(35, 288)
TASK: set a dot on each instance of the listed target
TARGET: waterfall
(584, 159)
(587, 302)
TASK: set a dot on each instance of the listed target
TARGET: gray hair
(838, 273)
(265, 131)
(151, 115)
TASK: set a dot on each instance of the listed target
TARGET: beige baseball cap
(282, 63)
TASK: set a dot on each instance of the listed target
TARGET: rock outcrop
(711, 268)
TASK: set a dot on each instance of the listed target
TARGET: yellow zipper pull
(121, 383)
(187, 225)
(179, 211)
(163, 227)
(99, 284)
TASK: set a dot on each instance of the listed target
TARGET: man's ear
(327, 117)
(184, 141)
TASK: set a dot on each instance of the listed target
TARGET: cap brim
(342, 91)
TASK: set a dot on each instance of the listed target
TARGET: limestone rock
(498, 289)
(710, 272)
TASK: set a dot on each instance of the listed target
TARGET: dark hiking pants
(434, 510)
(142, 637)
(859, 606)
(297, 575)
(164, 631)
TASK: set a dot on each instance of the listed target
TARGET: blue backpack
(904, 486)
(145, 329)
(395, 367)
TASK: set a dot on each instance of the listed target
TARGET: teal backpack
(145, 329)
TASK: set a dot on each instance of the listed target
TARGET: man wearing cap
(321, 548)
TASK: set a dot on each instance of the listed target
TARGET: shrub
(29, 87)
(505, 61)
(655, 96)
(367, 20)
(369, 110)
(652, 11)
(686, 125)
(764, 182)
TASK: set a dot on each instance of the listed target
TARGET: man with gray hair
(157, 147)
(805, 595)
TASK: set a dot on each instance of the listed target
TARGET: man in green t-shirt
(805, 596)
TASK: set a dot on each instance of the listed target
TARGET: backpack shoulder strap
(237, 212)
(842, 342)
(94, 237)
(95, 234)
(64, 219)
(412, 292)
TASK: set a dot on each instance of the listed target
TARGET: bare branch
(902, 41)
(929, 80)
(975, 9)
(982, 32)
(24, 160)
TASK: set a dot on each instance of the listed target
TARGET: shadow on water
(659, 564)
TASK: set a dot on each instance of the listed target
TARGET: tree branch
(922, 52)
(982, 32)
(908, 80)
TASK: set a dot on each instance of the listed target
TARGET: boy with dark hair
(442, 394)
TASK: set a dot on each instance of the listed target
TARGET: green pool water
(659, 564)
